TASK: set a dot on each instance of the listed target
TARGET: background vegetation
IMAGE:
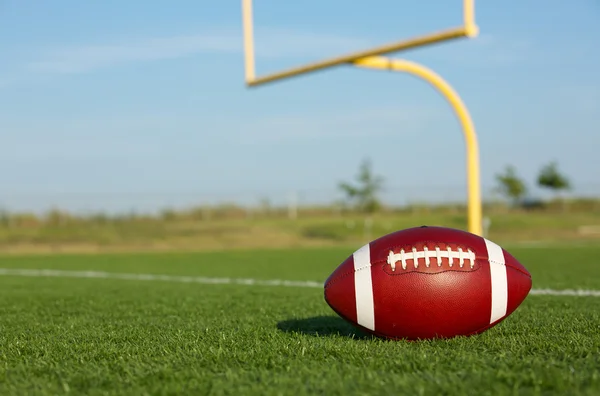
(359, 217)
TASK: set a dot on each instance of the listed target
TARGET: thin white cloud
(6, 81)
(101, 137)
(87, 58)
(585, 99)
(269, 43)
(353, 123)
(484, 51)
(506, 51)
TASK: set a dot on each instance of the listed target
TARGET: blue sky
(133, 104)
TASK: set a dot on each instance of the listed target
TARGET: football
(427, 282)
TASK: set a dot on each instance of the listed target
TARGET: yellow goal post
(373, 58)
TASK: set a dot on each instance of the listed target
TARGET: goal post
(372, 58)
(469, 30)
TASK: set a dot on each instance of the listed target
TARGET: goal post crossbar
(468, 30)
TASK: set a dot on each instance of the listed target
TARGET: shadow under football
(322, 326)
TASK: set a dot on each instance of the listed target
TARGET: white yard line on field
(224, 281)
(566, 292)
(155, 277)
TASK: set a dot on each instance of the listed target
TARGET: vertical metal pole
(248, 40)
(474, 210)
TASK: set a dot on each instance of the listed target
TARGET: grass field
(87, 333)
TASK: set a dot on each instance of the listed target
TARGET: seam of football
(511, 267)
(430, 241)
(337, 279)
(406, 272)
(458, 245)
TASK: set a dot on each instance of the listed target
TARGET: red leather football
(427, 282)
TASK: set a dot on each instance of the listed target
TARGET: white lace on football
(427, 255)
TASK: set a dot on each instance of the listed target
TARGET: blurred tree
(550, 178)
(364, 194)
(511, 185)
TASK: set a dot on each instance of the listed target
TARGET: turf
(106, 336)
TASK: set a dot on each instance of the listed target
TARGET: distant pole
(293, 206)
(368, 227)
(487, 222)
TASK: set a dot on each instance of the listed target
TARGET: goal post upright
(372, 58)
